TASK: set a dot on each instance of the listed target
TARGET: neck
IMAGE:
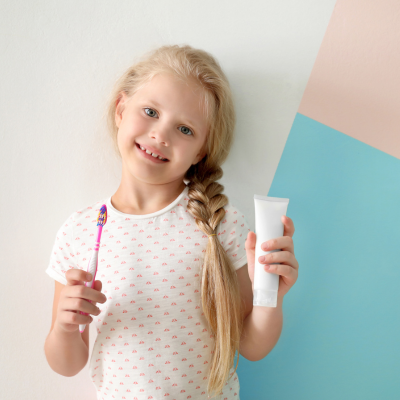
(140, 198)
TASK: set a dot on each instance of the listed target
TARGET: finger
(250, 243)
(86, 293)
(282, 257)
(288, 225)
(98, 286)
(284, 270)
(74, 304)
(284, 243)
(76, 276)
(70, 317)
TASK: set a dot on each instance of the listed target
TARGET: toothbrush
(92, 267)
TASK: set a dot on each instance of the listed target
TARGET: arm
(261, 331)
(262, 326)
(66, 352)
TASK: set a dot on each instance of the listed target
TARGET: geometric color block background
(340, 168)
(354, 86)
(341, 335)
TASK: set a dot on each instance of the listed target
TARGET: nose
(160, 133)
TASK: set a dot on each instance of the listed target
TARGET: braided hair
(220, 292)
(220, 288)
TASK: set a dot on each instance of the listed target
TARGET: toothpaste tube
(268, 213)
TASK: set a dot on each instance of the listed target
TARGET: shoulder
(64, 256)
(79, 219)
(84, 215)
(232, 233)
(234, 220)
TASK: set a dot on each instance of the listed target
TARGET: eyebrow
(159, 105)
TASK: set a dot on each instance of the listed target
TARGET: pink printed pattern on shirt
(153, 339)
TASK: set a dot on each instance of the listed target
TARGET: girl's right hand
(74, 298)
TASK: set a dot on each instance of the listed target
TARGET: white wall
(58, 62)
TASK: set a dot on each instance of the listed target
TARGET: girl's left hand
(288, 266)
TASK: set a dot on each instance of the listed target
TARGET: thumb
(97, 286)
(250, 243)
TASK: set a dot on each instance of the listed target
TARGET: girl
(174, 267)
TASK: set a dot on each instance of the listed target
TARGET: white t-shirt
(153, 340)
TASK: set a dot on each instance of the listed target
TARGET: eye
(151, 110)
(152, 113)
(186, 131)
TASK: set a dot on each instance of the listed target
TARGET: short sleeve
(232, 233)
(62, 256)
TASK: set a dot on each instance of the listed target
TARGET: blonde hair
(220, 292)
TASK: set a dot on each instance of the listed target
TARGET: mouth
(151, 155)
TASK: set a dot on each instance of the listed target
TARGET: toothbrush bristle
(102, 218)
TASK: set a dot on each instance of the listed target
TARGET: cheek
(134, 126)
(188, 156)
(139, 125)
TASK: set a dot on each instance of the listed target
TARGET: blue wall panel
(341, 333)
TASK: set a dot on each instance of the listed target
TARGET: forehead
(170, 92)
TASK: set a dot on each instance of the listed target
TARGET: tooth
(153, 154)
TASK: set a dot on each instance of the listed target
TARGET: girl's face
(166, 118)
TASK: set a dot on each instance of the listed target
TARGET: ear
(119, 107)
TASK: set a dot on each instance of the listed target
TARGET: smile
(148, 154)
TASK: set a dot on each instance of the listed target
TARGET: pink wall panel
(354, 86)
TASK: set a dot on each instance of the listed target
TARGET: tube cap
(265, 298)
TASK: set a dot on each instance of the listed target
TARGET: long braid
(219, 289)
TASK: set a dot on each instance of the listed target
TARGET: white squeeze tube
(268, 212)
